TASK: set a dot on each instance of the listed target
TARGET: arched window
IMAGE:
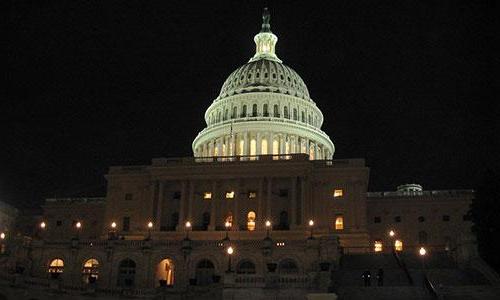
(90, 270)
(218, 116)
(254, 110)
(235, 112)
(165, 273)
(204, 272)
(251, 221)
(339, 222)
(265, 111)
(205, 220)
(422, 237)
(126, 273)
(288, 266)
(276, 111)
(245, 267)
(276, 147)
(283, 224)
(285, 112)
(56, 266)
(229, 219)
(263, 146)
(310, 120)
(244, 111)
(225, 115)
(295, 114)
(398, 245)
(303, 118)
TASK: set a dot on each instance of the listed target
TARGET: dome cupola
(263, 108)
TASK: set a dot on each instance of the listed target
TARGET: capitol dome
(263, 108)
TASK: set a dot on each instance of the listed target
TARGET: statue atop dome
(266, 18)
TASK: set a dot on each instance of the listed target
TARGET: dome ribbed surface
(264, 76)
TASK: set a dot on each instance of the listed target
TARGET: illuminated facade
(261, 210)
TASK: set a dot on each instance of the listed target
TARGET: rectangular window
(230, 195)
(378, 246)
(58, 223)
(339, 222)
(177, 195)
(397, 219)
(338, 193)
(377, 220)
(252, 195)
(126, 224)
(446, 218)
(207, 195)
(398, 245)
(128, 196)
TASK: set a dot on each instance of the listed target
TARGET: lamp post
(188, 227)
(311, 224)
(43, 225)
(392, 234)
(150, 226)
(2, 236)
(268, 226)
(423, 253)
(230, 252)
(78, 227)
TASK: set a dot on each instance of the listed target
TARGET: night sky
(91, 84)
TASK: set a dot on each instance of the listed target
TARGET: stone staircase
(383, 293)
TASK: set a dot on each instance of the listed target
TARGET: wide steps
(383, 293)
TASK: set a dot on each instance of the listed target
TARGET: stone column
(191, 196)
(235, 209)
(268, 201)
(308, 149)
(258, 143)
(219, 147)
(303, 200)
(233, 147)
(245, 144)
(270, 143)
(316, 151)
(182, 206)
(204, 151)
(210, 149)
(213, 206)
(161, 195)
(293, 206)
(282, 143)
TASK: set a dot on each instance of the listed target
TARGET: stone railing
(283, 281)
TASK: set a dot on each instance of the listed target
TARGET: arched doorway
(165, 273)
(90, 271)
(56, 267)
(126, 273)
(204, 272)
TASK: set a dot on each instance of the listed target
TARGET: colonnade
(299, 207)
(250, 144)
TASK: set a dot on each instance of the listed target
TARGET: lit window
(56, 266)
(338, 193)
(280, 244)
(339, 222)
(251, 221)
(229, 220)
(230, 195)
(90, 270)
(207, 195)
(252, 195)
(398, 245)
(378, 246)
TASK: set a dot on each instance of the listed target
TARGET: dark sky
(98, 83)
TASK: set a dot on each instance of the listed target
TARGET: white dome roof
(264, 75)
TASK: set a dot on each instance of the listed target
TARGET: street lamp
(230, 252)
(150, 226)
(188, 227)
(422, 253)
(311, 224)
(227, 225)
(268, 226)
(43, 225)
(2, 235)
(392, 233)
(78, 226)
(113, 225)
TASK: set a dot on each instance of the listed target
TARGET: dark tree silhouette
(485, 212)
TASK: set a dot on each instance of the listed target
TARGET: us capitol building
(261, 211)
